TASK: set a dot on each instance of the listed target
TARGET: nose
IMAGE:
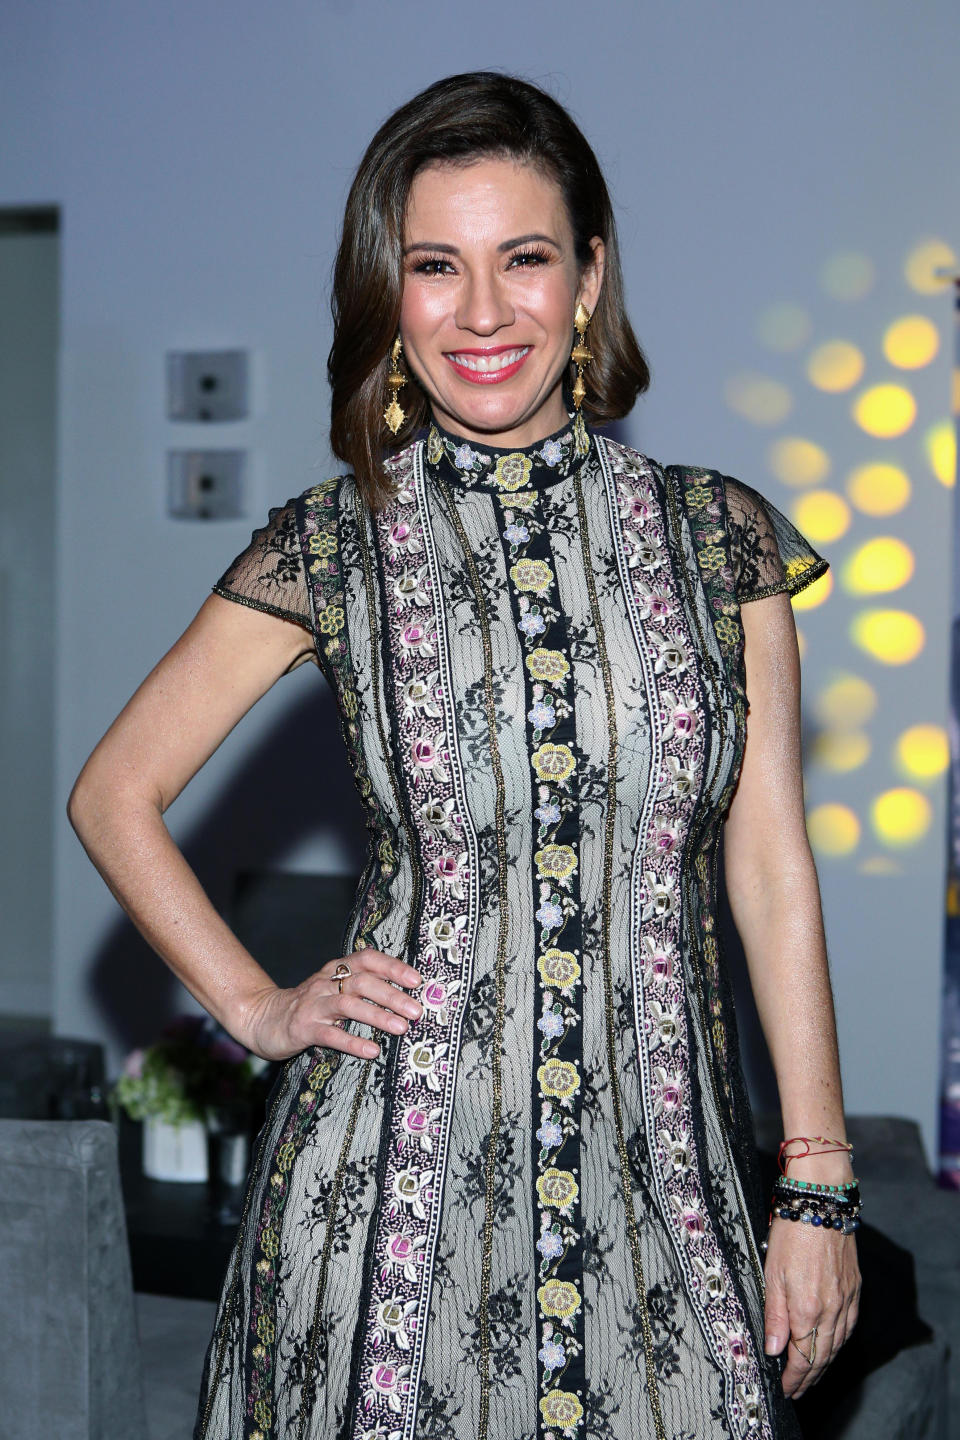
(483, 306)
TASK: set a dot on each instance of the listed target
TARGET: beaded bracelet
(817, 1187)
(832, 1212)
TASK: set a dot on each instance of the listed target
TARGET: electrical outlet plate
(207, 385)
(205, 484)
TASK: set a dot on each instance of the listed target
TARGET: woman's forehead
(488, 194)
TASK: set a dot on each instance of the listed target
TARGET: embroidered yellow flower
(728, 632)
(349, 702)
(323, 544)
(555, 862)
(535, 575)
(549, 665)
(285, 1156)
(265, 1329)
(553, 762)
(263, 1413)
(269, 1244)
(559, 1298)
(557, 1188)
(698, 496)
(713, 557)
(561, 1408)
(323, 488)
(512, 470)
(559, 1078)
(559, 968)
(523, 500)
(330, 619)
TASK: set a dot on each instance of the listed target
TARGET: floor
(174, 1335)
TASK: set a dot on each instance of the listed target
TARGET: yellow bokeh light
(923, 752)
(835, 366)
(758, 399)
(822, 516)
(783, 327)
(814, 594)
(885, 410)
(894, 637)
(940, 443)
(833, 829)
(847, 703)
(879, 565)
(924, 260)
(879, 865)
(901, 816)
(879, 489)
(847, 275)
(841, 750)
(798, 462)
(801, 643)
(911, 342)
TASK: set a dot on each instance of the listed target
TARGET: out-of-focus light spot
(814, 594)
(835, 366)
(847, 275)
(885, 410)
(841, 750)
(879, 865)
(924, 261)
(901, 816)
(801, 643)
(923, 752)
(940, 443)
(758, 399)
(879, 489)
(847, 703)
(822, 516)
(882, 564)
(894, 637)
(833, 829)
(783, 327)
(911, 342)
(798, 462)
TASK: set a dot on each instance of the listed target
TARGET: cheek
(421, 311)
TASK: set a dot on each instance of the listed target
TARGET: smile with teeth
(486, 367)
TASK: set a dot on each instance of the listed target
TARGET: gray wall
(29, 315)
(201, 153)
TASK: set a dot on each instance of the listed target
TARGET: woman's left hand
(813, 1294)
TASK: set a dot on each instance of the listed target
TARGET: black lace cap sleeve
(769, 553)
(269, 575)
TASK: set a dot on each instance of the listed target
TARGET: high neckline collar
(487, 467)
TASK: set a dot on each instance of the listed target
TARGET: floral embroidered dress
(534, 1216)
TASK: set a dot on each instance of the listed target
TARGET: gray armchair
(82, 1357)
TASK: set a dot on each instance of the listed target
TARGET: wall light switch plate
(207, 385)
(205, 484)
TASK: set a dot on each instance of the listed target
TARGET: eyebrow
(505, 245)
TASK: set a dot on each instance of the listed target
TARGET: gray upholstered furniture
(82, 1358)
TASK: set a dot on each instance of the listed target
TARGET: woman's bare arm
(775, 901)
(223, 663)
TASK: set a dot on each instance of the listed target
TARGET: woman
(506, 1184)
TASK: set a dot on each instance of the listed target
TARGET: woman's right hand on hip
(284, 1022)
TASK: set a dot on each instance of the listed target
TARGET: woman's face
(491, 285)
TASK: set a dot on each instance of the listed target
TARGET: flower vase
(174, 1152)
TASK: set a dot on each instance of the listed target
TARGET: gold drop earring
(580, 355)
(394, 415)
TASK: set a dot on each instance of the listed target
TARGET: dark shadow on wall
(295, 779)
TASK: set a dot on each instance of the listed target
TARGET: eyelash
(535, 253)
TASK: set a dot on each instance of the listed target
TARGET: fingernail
(773, 1345)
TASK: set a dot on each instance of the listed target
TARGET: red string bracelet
(833, 1147)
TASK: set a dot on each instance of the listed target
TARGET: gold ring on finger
(342, 972)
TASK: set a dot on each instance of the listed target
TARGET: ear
(592, 278)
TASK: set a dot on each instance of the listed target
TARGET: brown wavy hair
(455, 121)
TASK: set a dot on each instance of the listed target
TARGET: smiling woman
(525, 1203)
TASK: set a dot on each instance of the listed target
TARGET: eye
(529, 259)
(432, 265)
